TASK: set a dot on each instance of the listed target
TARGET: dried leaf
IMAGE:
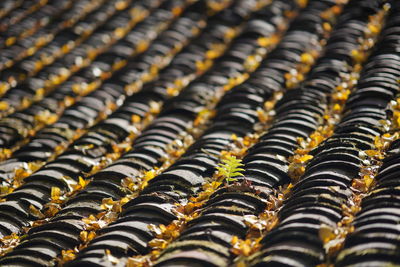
(326, 233)
(36, 212)
(55, 193)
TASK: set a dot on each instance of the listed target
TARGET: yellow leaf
(368, 180)
(303, 158)
(107, 203)
(136, 118)
(264, 41)
(52, 210)
(4, 86)
(358, 56)
(89, 219)
(229, 34)
(45, 117)
(55, 193)
(68, 255)
(124, 200)
(82, 182)
(39, 93)
(326, 233)
(327, 26)
(34, 166)
(373, 28)
(158, 243)
(155, 107)
(36, 212)
(120, 5)
(91, 236)
(235, 239)
(203, 116)
(149, 175)
(302, 3)
(142, 46)
(372, 153)
(177, 11)
(3, 105)
(5, 153)
(200, 65)
(10, 40)
(212, 54)
(172, 91)
(154, 228)
(21, 173)
(337, 107)
(5, 190)
(119, 32)
(306, 58)
(83, 236)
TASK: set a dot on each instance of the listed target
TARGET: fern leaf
(230, 168)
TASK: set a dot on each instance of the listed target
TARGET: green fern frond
(230, 168)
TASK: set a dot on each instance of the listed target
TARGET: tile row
(374, 239)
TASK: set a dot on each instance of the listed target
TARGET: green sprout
(230, 168)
